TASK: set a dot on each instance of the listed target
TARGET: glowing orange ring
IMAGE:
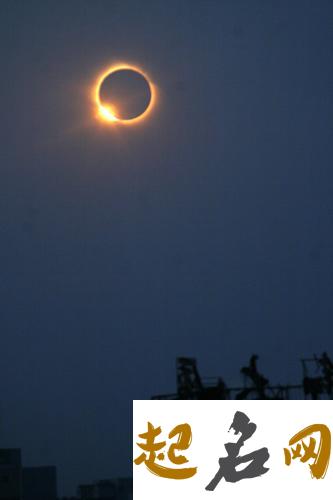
(106, 113)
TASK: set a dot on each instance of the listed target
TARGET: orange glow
(108, 114)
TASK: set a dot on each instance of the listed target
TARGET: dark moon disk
(127, 92)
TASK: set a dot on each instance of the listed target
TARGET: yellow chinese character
(184, 440)
(321, 458)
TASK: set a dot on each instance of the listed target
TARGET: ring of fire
(107, 113)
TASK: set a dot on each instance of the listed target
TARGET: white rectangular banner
(206, 450)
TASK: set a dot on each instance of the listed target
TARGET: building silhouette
(107, 489)
(39, 483)
(10, 474)
(25, 483)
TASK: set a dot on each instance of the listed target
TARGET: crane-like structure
(317, 382)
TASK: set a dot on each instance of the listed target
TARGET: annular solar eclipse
(123, 95)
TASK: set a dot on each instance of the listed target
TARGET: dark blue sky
(207, 231)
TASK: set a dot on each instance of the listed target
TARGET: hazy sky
(205, 231)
